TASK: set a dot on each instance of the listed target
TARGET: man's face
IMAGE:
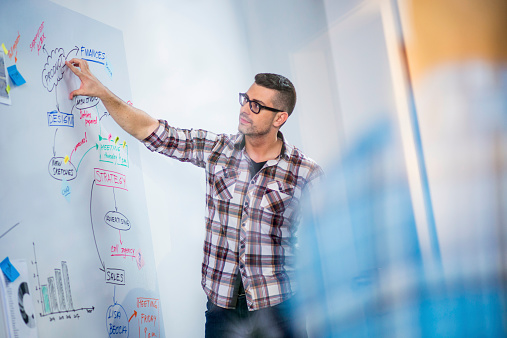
(262, 123)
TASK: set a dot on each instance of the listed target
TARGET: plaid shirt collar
(287, 149)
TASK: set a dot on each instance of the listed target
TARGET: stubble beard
(253, 131)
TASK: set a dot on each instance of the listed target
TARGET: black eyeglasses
(255, 106)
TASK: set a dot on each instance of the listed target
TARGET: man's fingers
(72, 68)
(74, 63)
(80, 68)
(74, 93)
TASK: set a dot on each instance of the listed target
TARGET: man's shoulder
(297, 158)
(230, 141)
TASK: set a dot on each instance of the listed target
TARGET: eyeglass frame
(243, 95)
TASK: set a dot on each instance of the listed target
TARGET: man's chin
(241, 129)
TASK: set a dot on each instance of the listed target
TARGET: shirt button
(243, 224)
(246, 204)
(252, 182)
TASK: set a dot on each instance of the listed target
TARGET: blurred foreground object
(363, 274)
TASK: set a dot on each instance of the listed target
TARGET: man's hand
(134, 121)
(90, 85)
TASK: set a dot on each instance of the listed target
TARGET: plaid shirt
(250, 221)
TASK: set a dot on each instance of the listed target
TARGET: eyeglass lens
(254, 106)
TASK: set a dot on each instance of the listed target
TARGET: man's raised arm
(134, 121)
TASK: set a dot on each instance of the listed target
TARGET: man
(255, 181)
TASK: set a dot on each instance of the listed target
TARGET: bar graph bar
(59, 288)
(52, 295)
(67, 285)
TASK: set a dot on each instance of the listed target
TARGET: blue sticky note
(15, 75)
(9, 270)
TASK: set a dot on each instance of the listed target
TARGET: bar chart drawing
(56, 294)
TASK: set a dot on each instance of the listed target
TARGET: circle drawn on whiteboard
(25, 305)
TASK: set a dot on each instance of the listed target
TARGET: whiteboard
(73, 212)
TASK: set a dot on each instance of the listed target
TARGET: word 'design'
(108, 178)
(59, 119)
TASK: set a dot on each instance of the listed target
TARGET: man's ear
(280, 118)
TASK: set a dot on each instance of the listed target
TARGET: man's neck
(263, 148)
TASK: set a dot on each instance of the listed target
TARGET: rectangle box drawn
(115, 276)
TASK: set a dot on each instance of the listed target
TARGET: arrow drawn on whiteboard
(114, 196)
(105, 114)
(57, 104)
(103, 268)
(76, 48)
(96, 146)
(54, 143)
(133, 315)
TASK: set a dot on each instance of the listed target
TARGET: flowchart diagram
(76, 211)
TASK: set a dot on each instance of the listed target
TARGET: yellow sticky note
(8, 89)
(116, 140)
(124, 144)
(66, 159)
(5, 49)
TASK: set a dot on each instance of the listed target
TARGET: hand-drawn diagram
(55, 297)
(78, 211)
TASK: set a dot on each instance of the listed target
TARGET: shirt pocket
(224, 182)
(277, 197)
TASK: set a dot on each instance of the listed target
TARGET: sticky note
(109, 137)
(5, 49)
(124, 144)
(15, 75)
(9, 270)
(8, 89)
(66, 159)
(116, 139)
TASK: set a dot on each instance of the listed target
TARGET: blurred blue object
(361, 269)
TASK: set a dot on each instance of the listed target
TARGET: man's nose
(245, 108)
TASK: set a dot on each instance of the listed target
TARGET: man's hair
(286, 97)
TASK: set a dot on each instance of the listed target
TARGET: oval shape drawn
(61, 171)
(117, 220)
(86, 102)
